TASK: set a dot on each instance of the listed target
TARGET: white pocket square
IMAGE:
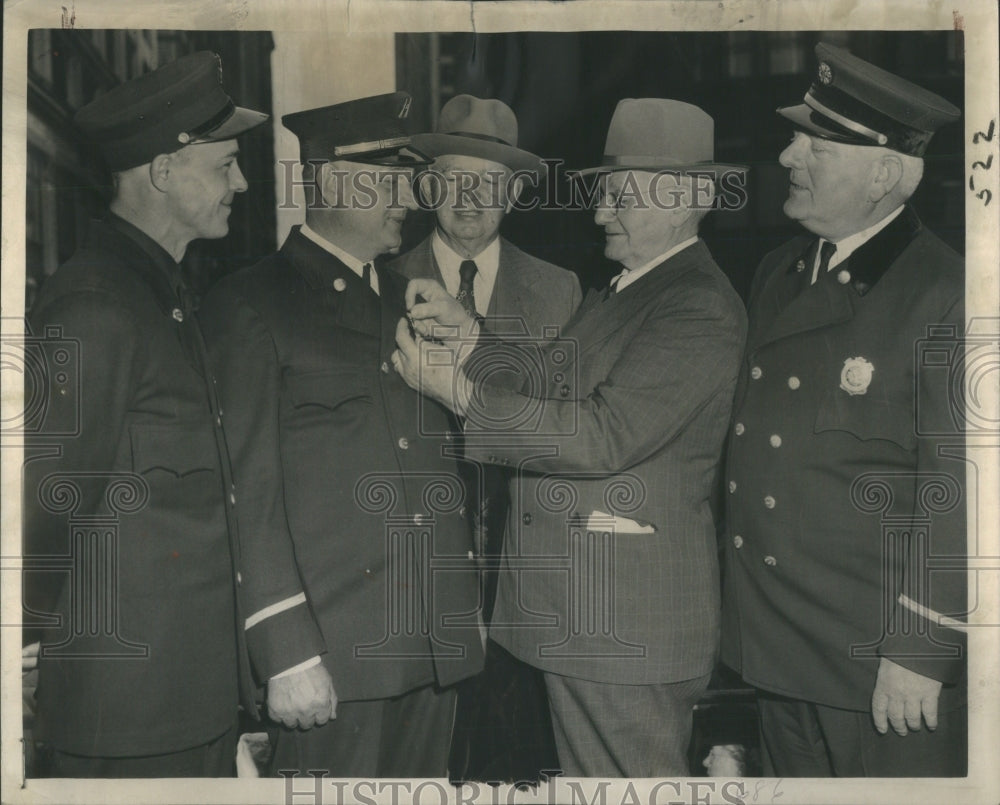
(602, 521)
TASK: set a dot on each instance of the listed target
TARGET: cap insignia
(825, 73)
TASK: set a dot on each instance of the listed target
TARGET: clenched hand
(901, 697)
(304, 699)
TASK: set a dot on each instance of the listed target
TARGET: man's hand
(431, 369)
(304, 699)
(904, 696)
(437, 314)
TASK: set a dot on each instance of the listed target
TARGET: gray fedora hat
(659, 134)
(474, 127)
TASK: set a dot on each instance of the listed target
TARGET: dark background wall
(564, 88)
(67, 183)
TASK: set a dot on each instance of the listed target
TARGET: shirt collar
(487, 266)
(847, 246)
(349, 260)
(628, 276)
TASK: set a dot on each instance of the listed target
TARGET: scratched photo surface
(248, 494)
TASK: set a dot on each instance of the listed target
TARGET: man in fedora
(478, 175)
(842, 478)
(358, 576)
(143, 675)
(609, 580)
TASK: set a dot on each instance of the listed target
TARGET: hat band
(213, 122)
(371, 145)
(648, 161)
(847, 123)
(485, 137)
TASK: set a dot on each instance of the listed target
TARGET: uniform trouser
(406, 736)
(805, 739)
(217, 758)
(607, 730)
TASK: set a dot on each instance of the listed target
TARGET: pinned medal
(856, 376)
(825, 73)
(843, 277)
(800, 265)
(339, 284)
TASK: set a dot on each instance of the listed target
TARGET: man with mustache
(842, 480)
(142, 677)
(358, 578)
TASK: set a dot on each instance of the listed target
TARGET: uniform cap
(178, 104)
(852, 101)
(373, 130)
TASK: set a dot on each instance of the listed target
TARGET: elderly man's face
(204, 179)
(477, 200)
(636, 210)
(829, 185)
(373, 202)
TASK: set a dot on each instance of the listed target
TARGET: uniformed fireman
(845, 478)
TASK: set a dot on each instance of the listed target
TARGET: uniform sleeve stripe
(274, 609)
(935, 617)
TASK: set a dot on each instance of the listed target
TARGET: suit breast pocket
(173, 452)
(342, 394)
(868, 419)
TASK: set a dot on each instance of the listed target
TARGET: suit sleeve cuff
(283, 640)
(937, 650)
(302, 666)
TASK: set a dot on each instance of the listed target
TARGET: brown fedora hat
(474, 127)
(659, 134)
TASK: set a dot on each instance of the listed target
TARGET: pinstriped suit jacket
(627, 419)
(527, 289)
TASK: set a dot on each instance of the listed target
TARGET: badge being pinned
(856, 376)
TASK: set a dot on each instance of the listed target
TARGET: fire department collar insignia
(856, 376)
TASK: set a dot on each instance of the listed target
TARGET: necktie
(826, 252)
(366, 275)
(466, 294)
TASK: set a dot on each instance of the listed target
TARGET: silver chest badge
(856, 376)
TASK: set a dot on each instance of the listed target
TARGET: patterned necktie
(466, 294)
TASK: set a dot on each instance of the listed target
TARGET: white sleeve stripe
(296, 668)
(931, 615)
(274, 609)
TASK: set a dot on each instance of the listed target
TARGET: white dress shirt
(628, 276)
(487, 265)
(349, 260)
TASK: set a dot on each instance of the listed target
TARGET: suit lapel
(823, 304)
(602, 313)
(796, 310)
